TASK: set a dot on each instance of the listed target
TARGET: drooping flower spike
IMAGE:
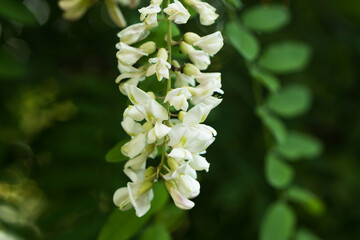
(172, 121)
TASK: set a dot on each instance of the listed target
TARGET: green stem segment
(168, 88)
(259, 101)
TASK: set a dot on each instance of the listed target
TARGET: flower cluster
(169, 127)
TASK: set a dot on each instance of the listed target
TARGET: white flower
(131, 127)
(205, 90)
(179, 200)
(198, 57)
(177, 12)
(149, 14)
(183, 80)
(133, 113)
(160, 66)
(184, 177)
(178, 98)
(128, 55)
(197, 114)
(133, 33)
(151, 110)
(137, 195)
(209, 83)
(135, 167)
(134, 78)
(211, 44)
(206, 11)
(158, 132)
(187, 140)
(199, 163)
(135, 146)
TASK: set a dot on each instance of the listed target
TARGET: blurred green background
(61, 110)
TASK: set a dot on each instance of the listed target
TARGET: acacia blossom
(166, 125)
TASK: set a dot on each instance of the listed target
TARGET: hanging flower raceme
(166, 124)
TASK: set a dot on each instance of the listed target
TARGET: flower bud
(172, 164)
(191, 37)
(150, 171)
(175, 63)
(163, 54)
(151, 94)
(148, 47)
(181, 115)
(191, 70)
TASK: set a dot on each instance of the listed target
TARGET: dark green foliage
(60, 114)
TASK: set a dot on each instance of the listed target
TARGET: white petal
(133, 33)
(199, 163)
(179, 200)
(188, 186)
(121, 199)
(141, 203)
(134, 147)
(131, 127)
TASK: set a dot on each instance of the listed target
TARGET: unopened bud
(172, 164)
(191, 37)
(175, 63)
(148, 47)
(151, 94)
(150, 171)
(191, 70)
(162, 53)
(181, 115)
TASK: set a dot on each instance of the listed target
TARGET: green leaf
(115, 155)
(275, 126)
(242, 40)
(266, 79)
(312, 203)
(17, 11)
(305, 234)
(291, 101)
(234, 3)
(157, 232)
(266, 18)
(299, 145)
(285, 57)
(278, 173)
(10, 68)
(124, 225)
(171, 217)
(278, 223)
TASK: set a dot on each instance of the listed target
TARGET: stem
(259, 101)
(168, 88)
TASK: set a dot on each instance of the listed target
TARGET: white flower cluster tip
(169, 128)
